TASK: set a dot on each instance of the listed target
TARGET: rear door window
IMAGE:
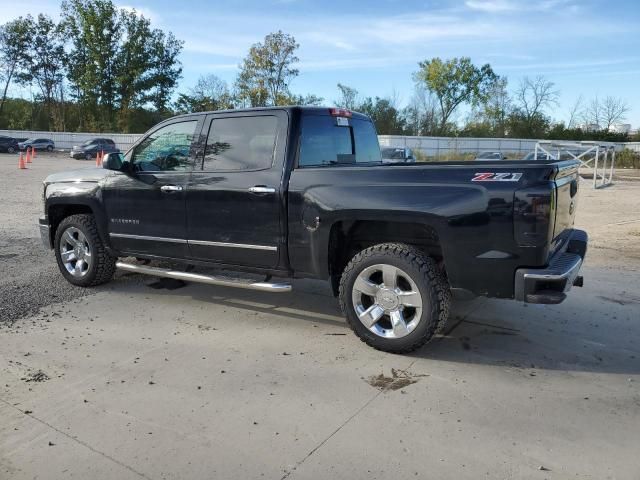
(241, 143)
(325, 140)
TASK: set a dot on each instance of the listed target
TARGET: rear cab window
(334, 140)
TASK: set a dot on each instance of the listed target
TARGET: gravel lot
(128, 381)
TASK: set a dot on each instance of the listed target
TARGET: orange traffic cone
(28, 156)
(21, 164)
(101, 157)
(98, 159)
(33, 153)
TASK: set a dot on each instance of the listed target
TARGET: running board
(208, 279)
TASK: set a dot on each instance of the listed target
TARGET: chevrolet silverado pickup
(291, 192)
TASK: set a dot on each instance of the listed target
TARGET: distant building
(620, 128)
(589, 127)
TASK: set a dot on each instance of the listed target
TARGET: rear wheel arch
(349, 237)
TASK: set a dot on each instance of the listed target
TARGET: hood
(80, 175)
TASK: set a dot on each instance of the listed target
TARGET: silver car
(397, 155)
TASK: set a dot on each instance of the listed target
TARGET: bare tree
(534, 95)
(614, 110)
(576, 112)
(593, 115)
(349, 97)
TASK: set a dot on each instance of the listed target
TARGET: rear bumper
(550, 285)
(45, 232)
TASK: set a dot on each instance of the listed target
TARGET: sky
(589, 47)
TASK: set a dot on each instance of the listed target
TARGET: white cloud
(502, 6)
(147, 13)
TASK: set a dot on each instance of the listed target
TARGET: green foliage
(387, 119)
(267, 71)
(348, 97)
(14, 41)
(454, 82)
(210, 93)
(627, 159)
(118, 63)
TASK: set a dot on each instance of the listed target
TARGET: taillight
(340, 112)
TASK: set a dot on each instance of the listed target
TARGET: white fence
(635, 146)
(66, 140)
(433, 147)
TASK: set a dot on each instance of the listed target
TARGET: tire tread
(438, 288)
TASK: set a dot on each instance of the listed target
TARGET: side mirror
(113, 161)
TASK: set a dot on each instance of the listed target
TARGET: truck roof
(308, 110)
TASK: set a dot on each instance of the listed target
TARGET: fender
(78, 193)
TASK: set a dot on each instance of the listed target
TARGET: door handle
(170, 188)
(261, 189)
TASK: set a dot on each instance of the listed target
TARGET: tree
(532, 96)
(14, 42)
(348, 97)
(614, 111)
(165, 68)
(421, 115)
(576, 112)
(118, 63)
(497, 107)
(45, 60)
(384, 114)
(454, 82)
(267, 71)
(209, 93)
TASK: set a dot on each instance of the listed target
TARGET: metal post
(595, 167)
(613, 159)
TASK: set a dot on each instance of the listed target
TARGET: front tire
(80, 253)
(394, 297)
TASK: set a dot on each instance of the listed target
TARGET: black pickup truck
(302, 192)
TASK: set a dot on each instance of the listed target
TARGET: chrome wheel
(387, 301)
(75, 252)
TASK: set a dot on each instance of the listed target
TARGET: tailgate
(566, 196)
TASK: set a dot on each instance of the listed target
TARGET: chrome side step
(208, 279)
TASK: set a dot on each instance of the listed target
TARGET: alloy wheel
(75, 252)
(387, 301)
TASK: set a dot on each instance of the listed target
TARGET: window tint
(166, 149)
(241, 143)
(324, 142)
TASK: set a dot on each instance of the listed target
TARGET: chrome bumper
(549, 285)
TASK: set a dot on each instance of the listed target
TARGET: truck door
(234, 195)
(146, 206)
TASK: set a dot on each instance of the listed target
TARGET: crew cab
(292, 192)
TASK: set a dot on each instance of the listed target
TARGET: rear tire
(88, 156)
(80, 253)
(394, 297)
(49, 148)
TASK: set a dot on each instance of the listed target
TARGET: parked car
(489, 156)
(540, 156)
(397, 155)
(299, 192)
(91, 148)
(38, 144)
(8, 144)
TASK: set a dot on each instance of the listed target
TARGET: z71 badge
(497, 177)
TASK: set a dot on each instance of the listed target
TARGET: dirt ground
(129, 381)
